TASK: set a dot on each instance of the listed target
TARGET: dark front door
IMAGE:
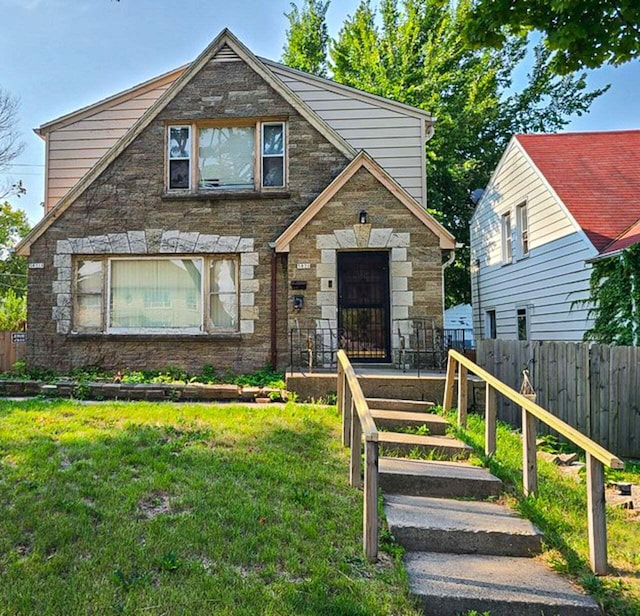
(363, 305)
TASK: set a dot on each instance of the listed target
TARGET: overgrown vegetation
(136, 508)
(560, 512)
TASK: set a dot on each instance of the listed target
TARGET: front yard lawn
(123, 508)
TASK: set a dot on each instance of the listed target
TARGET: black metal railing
(415, 344)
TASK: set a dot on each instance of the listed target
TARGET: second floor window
(251, 156)
(523, 229)
(506, 238)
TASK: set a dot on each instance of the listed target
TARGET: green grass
(560, 512)
(140, 508)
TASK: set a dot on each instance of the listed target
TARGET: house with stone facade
(222, 212)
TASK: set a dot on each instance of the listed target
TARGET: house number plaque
(303, 265)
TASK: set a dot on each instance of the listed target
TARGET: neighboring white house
(460, 317)
(553, 204)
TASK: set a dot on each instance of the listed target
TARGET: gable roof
(226, 43)
(597, 177)
(363, 160)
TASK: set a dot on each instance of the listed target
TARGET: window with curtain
(88, 301)
(179, 155)
(223, 298)
(226, 158)
(156, 294)
(273, 154)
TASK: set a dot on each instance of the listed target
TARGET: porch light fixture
(362, 217)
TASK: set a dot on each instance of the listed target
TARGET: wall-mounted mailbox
(298, 302)
(298, 285)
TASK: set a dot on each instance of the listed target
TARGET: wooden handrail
(597, 456)
(356, 422)
(362, 408)
(582, 441)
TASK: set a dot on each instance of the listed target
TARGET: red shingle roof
(597, 176)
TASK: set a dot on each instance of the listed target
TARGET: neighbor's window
(506, 238)
(490, 324)
(88, 300)
(179, 157)
(523, 325)
(223, 295)
(273, 164)
(226, 158)
(523, 229)
(155, 294)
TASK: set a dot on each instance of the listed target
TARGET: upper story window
(248, 156)
(523, 229)
(506, 238)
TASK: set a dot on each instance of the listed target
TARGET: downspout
(274, 306)
(445, 265)
(480, 320)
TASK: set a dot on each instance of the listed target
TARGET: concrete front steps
(462, 555)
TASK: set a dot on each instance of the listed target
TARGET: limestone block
(329, 312)
(250, 286)
(247, 299)
(249, 258)
(63, 247)
(227, 243)
(154, 240)
(206, 243)
(247, 272)
(119, 243)
(187, 242)
(63, 326)
(401, 268)
(245, 244)
(326, 298)
(362, 233)
(398, 254)
(246, 326)
(61, 286)
(137, 242)
(401, 312)
(64, 273)
(100, 244)
(402, 298)
(399, 283)
(379, 238)
(346, 238)
(63, 260)
(249, 312)
(81, 246)
(325, 286)
(399, 240)
(63, 299)
(169, 241)
(328, 256)
(61, 313)
(326, 270)
(328, 242)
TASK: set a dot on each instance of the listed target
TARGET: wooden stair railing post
(370, 514)
(596, 516)
(355, 469)
(342, 409)
(449, 384)
(491, 410)
(529, 460)
(463, 392)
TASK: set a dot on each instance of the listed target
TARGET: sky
(60, 55)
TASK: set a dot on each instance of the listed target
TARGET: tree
(615, 299)
(10, 145)
(417, 55)
(307, 37)
(579, 33)
(14, 225)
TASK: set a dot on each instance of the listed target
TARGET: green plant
(20, 368)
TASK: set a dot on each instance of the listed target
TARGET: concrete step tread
(401, 438)
(430, 513)
(444, 479)
(448, 584)
(397, 404)
(409, 416)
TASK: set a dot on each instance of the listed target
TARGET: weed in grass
(170, 562)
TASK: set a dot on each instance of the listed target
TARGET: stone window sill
(157, 337)
(227, 195)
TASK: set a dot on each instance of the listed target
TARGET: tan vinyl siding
(550, 280)
(392, 138)
(74, 148)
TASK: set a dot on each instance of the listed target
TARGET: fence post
(491, 409)
(449, 384)
(463, 391)
(347, 417)
(529, 460)
(355, 468)
(370, 517)
(596, 516)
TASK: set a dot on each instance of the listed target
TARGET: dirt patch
(156, 504)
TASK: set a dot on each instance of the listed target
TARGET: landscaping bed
(136, 508)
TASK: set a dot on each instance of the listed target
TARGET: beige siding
(551, 281)
(74, 148)
(394, 138)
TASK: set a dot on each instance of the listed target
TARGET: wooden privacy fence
(356, 423)
(12, 349)
(593, 387)
(597, 456)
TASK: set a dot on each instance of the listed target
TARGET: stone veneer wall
(128, 199)
(414, 254)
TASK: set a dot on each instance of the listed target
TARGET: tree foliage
(10, 144)
(307, 37)
(615, 299)
(14, 225)
(414, 52)
(579, 33)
